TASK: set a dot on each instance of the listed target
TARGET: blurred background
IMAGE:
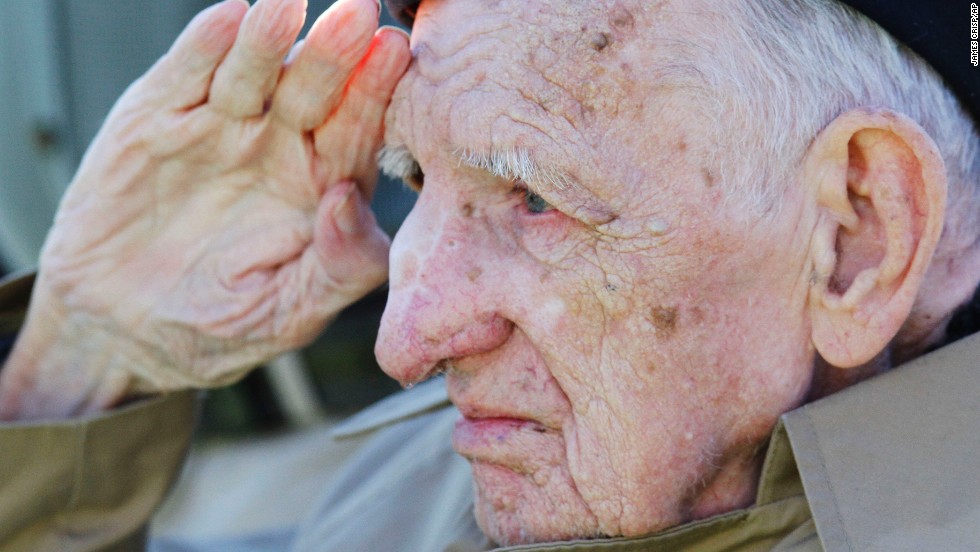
(63, 63)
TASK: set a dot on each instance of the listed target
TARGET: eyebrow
(516, 164)
(509, 164)
(397, 162)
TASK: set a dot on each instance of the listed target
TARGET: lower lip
(477, 433)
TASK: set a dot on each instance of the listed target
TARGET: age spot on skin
(473, 273)
(622, 19)
(664, 318)
(709, 177)
(467, 210)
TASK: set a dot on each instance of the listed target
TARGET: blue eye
(534, 203)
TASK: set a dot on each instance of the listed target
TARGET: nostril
(412, 351)
(443, 367)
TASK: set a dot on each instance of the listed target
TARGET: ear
(880, 188)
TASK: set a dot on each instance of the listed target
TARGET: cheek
(628, 438)
(543, 264)
(646, 432)
(549, 236)
(546, 233)
(719, 364)
(653, 372)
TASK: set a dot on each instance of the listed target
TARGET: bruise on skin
(664, 318)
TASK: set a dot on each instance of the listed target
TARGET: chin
(505, 533)
(508, 529)
(514, 518)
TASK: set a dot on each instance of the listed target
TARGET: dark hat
(942, 32)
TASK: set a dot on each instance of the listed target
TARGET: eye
(534, 203)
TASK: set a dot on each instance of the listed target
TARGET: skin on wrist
(60, 368)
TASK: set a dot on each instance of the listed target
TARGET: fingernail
(347, 213)
(295, 50)
(407, 36)
(378, 2)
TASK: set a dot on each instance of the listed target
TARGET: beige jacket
(890, 464)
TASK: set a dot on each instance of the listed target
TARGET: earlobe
(880, 188)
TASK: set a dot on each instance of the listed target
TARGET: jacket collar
(891, 463)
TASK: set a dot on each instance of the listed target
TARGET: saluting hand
(220, 216)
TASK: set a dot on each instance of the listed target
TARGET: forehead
(519, 74)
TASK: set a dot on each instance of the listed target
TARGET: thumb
(351, 246)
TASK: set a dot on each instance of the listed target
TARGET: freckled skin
(644, 358)
(664, 319)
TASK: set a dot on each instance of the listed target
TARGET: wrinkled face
(618, 338)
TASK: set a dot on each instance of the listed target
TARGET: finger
(248, 75)
(293, 52)
(352, 135)
(346, 258)
(349, 250)
(312, 84)
(181, 78)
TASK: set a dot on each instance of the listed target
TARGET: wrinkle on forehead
(573, 64)
(584, 85)
(565, 55)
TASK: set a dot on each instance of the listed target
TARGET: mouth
(496, 438)
(503, 424)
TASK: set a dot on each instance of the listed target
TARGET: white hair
(510, 164)
(798, 64)
(515, 164)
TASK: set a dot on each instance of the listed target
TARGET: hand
(220, 216)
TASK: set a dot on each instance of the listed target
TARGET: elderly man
(644, 232)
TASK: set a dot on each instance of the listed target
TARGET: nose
(441, 301)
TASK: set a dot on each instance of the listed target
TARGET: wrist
(60, 368)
